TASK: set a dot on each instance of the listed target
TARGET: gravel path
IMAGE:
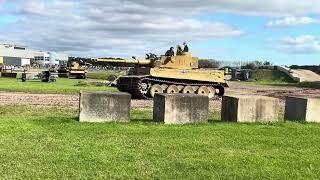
(271, 91)
(9, 98)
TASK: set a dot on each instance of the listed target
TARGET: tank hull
(74, 74)
(141, 86)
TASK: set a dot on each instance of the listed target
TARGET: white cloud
(292, 21)
(249, 7)
(306, 44)
(125, 27)
(113, 28)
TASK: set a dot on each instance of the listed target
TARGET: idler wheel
(188, 90)
(212, 92)
(155, 89)
(172, 89)
(203, 90)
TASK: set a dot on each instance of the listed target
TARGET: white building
(11, 54)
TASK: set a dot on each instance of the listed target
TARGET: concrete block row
(168, 108)
(266, 109)
(190, 108)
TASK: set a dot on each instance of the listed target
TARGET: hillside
(266, 75)
(276, 78)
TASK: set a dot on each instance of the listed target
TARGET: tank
(169, 74)
(76, 70)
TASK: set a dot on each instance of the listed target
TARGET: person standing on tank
(179, 50)
(170, 52)
(186, 48)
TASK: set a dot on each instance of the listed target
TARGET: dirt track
(306, 75)
(7, 98)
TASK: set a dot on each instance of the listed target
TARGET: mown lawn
(63, 85)
(48, 142)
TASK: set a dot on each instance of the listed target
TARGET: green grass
(105, 75)
(48, 142)
(271, 76)
(62, 85)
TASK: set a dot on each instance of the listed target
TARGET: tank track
(136, 82)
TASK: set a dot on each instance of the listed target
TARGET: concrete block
(302, 109)
(239, 108)
(180, 108)
(104, 107)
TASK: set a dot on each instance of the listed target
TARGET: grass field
(62, 85)
(105, 75)
(48, 142)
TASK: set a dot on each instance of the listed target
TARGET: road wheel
(172, 89)
(195, 88)
(156, 88)
(212, 92)
(180, 87)
(164, 87)
(188, 90)
(203, 90)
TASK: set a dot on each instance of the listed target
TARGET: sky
(284, 32)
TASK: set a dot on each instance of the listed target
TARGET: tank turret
(169, 74)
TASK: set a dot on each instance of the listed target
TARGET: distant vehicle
(169, 74)
(77, 70)
(45, 76)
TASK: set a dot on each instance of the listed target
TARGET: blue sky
(223, 30)
(257, 41)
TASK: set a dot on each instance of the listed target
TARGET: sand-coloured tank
(169, 74)
(76, 70)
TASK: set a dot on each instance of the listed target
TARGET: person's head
(184, 43)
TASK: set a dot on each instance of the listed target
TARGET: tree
(267, 63)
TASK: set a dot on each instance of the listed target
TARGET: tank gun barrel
(133, 61)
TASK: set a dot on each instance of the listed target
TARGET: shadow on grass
(137, 120)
